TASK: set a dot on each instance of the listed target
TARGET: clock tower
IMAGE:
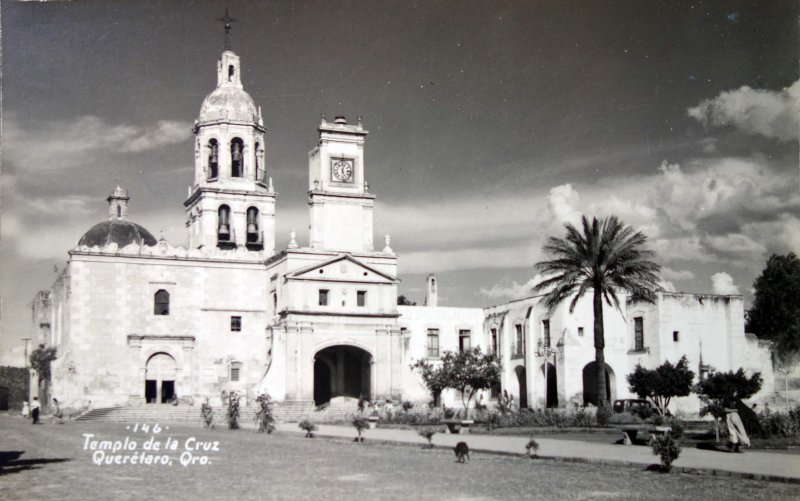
(340, 205)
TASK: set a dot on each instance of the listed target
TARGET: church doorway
(590, 384)
(159, 380)
(341, 371)
(523, 386)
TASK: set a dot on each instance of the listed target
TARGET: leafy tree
(264, 417)
(233, 411)
(662, 383)
(40, 361)
(402, 300)
(606, 257)
(468, 372)
(723, 389)
(433, 377)
(775, 313)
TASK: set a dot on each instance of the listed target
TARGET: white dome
(229, 103)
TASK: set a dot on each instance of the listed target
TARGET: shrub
(412, 418)
(208, 414)
(309, 428)
(667, 448)
(407, 406)
(360, 424)
(264, 417)
(428, 434)
(782, 424)
(532, 447)
(233, 411)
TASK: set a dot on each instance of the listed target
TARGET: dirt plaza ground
(52, 461)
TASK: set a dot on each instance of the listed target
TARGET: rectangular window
(464, 340)
(235, 369)
(494, 341)
(638, 334)
(546, 333)
(519, 348)
(433, 343)
(675, 336)
(236, 324)
(361, 298)
(323, 297)
(580, 331)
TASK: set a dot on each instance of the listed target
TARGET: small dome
(229, 103)
(118, 231)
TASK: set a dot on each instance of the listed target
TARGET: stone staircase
(290, 411)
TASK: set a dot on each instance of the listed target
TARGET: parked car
(631, 405)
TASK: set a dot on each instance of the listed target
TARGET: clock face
(342, 170)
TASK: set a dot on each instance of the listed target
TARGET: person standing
(737, 435)
(35, 410)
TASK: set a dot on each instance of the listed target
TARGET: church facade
(138, 321)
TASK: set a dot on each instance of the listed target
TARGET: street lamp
(546, 351)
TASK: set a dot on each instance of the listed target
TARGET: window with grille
(464, 340)
(433, 343)
(323, 297)
(161, 303)
(638, 334)
(546, 333)
(236, 324)
(236, 368)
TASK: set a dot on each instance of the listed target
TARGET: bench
(629, 433)
(458, 426)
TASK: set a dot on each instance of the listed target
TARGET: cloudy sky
(491, 125)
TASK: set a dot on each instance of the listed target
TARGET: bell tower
(232, 201)
(340, 204)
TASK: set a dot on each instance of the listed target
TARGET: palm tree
(607, 258)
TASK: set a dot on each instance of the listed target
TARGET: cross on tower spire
(227, 20)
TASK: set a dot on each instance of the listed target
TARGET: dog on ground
(462, 451)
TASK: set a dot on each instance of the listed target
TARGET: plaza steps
(166, 413)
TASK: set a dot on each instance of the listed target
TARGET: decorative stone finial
(316, 184)
(387, 240)
(271, 188)
(292, 240)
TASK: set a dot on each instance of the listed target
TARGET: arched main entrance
(341, 371)
(159, 379)
(590, 384)
(549, 385)
(523, 386)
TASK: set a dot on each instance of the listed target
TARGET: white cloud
(562, 201)
(772, 114)
(165, 133)
(61, 144)
(670, 274)
(722, 283)
(13, 357)
(668, 286)
(513, 291)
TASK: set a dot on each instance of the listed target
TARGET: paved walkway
(751, 464)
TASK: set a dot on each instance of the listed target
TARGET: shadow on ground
(10, 462)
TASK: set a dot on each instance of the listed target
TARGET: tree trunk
(599, 346)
